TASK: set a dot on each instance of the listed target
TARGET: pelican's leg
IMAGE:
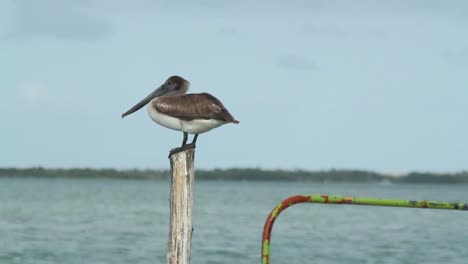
(184, 142)
(194, 140)
(184, 146)
(191, 145)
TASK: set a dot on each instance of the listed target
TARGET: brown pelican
(170, 107)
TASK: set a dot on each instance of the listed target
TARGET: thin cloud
(61, 21)
(72, 28)
(456, 57)
(328, 30)
(227, 32)
(33, 93)
(294, 62)
(377, 33)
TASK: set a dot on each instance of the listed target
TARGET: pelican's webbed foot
(180, 149)
(184, 146)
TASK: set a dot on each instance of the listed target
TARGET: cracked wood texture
(181, 205)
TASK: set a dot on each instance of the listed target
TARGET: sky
(375, 85)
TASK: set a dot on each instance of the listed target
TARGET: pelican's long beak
(158, 92)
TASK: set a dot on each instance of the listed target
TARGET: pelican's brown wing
(193, 106)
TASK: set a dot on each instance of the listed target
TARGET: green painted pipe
(317, 198)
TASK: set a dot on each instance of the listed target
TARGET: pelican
(171, 107)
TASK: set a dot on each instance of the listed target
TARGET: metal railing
(317, 198)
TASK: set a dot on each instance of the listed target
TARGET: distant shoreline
(350, 176)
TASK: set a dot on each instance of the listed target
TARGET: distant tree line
(359, 176)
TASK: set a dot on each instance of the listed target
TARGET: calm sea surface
(70, 221)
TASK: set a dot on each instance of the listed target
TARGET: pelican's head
(173, 86)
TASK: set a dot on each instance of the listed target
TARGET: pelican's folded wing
(193, 106)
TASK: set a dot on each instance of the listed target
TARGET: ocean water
(94, 221)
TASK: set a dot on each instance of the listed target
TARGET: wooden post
(181, 205)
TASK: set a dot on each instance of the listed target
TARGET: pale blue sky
(379, 85)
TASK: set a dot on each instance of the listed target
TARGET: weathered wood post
(181, 205)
